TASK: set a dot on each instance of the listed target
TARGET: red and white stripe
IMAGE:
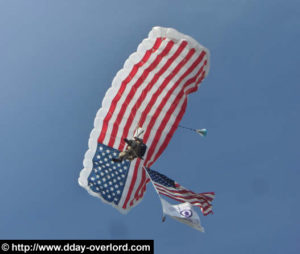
(202, 200)
(150, 92)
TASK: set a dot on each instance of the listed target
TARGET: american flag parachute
(150, 92)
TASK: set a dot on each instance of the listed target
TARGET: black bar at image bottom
(77, 246)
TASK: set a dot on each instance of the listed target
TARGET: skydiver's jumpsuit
(136, 148)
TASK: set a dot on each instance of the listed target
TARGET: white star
(121, 183)
(105, 159)
(111, 188)
(120, 170)
(110, 183)
(123, 175)
(114, 180)
(100, 148)
(102, 173)
(116, 186)
(119, 178)
(99, 182)
(108, 176)
(93, 179)
(103, 154)
(118, 191)
(105, 185)
(109, 196)
(107, 151)
(103, 179)
(98, 156)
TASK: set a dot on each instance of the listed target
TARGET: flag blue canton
(107, 177)
(160, 178)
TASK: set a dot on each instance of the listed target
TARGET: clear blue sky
(57, 59)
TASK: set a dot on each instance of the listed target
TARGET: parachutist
(135, 149)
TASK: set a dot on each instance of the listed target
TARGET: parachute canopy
(150, 92)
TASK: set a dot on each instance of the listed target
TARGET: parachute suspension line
(201, 132)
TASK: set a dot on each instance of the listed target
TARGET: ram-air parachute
(150, 92)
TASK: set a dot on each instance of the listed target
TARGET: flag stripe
(186, 196)
(144, 89)
(149, 127)
(123, 86)
(129, 102)
(205, 211)
(137, 172)
(189, 198)
(151, 84)
(162, 120)
(133, 90)
(178, 119)
(208, 195)
(174, 192)
(166, 141)
(170, 112)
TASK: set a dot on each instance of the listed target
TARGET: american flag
(149, 92)
(169, 188)
(108, 178)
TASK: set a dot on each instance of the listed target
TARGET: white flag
(184, 213)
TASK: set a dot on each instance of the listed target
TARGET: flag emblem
(186, 213)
